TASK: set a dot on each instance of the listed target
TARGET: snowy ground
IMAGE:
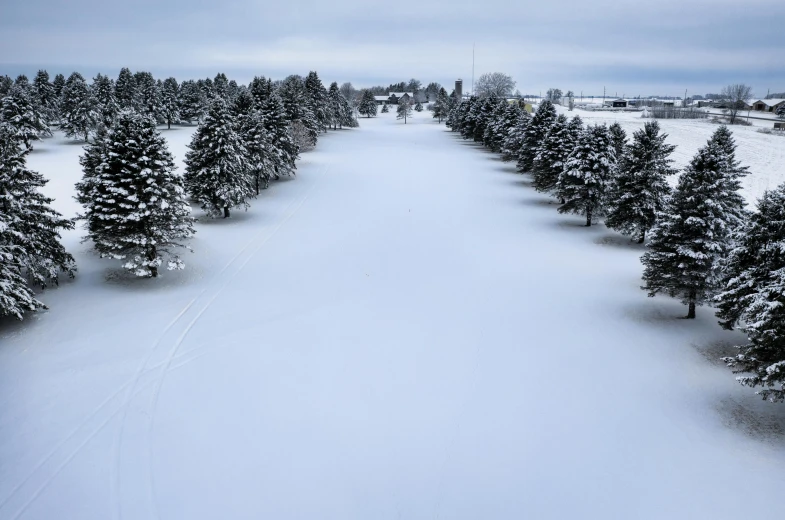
(763, 153)
(405, 330)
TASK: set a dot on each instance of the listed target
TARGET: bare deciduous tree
(495, 84)
(736, 97)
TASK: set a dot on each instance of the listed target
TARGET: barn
(616, 103)
(768, 105)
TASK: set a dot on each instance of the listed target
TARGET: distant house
(392, 98)
(616, 103)
(767, 105)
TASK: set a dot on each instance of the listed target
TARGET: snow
(404, 330)
(763, 153)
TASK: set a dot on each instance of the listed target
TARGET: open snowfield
(406, 330)
(763, 153)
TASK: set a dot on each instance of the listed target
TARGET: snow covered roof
(400, 94)
(769, 102)
(381, 98)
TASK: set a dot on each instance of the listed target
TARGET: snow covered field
(405, 330)
(763, 153)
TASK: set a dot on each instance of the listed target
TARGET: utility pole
(473, 45)
(603, 96)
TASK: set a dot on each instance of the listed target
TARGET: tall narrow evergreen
(45, 97)
(694, 233)
(298, 107)
(221, 86)
(278, 127)
(170, 107)
(317, 96)
(368, 105)
(135, 206)
(584, 181)
(191, 102)
(440, 105)
(148, 96)
(6, 84)
(261, 157)
(534, 133)
(216, 174)
(106, 103)
(78, 111)
(125, 90)
(618, 139)
(404, 110)
(513, 141)
(57, 84)
(549, 161)
(640, 189)
(31, 227)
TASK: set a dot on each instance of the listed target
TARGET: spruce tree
(584, 180)
(135, 205)
(32, 227)
(278, 127)
(549, 161)
(16, 297)
(298, 107)
(534, 133)
(170, 107)
(404, 110)
(618, 139)
(335, 105)
(418, 106)
(20, 113)
(694, 232)
(368, 105)
(221, 86)
(261, 157)
(317, 100)
(756, 256)
(385, 109)
(6, 84)
(148, 95)
(513, 141)
(79, 115)
(762, 361)
(440, 106)
(191, 102)
(125, 90)
(58, 84)
(216, 174)
(22, 82)
(104, 94)
(640, 189)
(45, 97)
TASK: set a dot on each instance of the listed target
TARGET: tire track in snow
(132, 388)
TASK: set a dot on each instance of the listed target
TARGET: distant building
(458, 89)
(767, 105)
(392, 98)
(616, 103)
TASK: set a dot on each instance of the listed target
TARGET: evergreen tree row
(702, 245)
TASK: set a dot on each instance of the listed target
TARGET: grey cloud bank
(628, 47)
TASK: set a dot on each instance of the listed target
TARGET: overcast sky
(629, 47)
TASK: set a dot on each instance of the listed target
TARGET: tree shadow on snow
(753, 417)
(616, 240)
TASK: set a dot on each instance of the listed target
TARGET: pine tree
(6, 84)
(191, 102)
(534, 133)
(694, 233)
(440, 106)
(584, 181)
(31, 227)
(79, 115)
(135, 205)
(104, 94)
(221, 86)
(298, 107)
(261, 156)
(16, 297)
(216, 174)
(125, 90)
(149, 100)
(58, 84)
(278, 127)
(418, 107)
(758, 253)
(45, 97)
(640, 190)
(618, 139)
(243, 103)
(22, 82)
(549, 161)
(513, 141)
(170, 108)
(368, 105)
(404, 109)
(20, 113)
(385, 109)
(317, 96)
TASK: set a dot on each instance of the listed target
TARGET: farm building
(616, 103)
(392, 98)
(768, 105)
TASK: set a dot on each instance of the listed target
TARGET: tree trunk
(226, 212)
(643, 237)
(588, 217)
(691, 308)
(151, 254)
(168, 124)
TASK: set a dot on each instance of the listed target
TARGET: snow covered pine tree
(694, 232)
(367, 106)
(534, 133)
(404, 109)
(31, 228)
(216, 175)
(135, 206)
(583, 183)
(640, 189)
